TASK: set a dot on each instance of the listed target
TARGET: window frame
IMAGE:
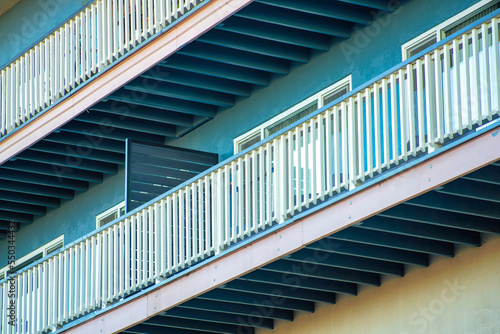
(318, 98)
(118, 207)
(438, 30)
(42, 249)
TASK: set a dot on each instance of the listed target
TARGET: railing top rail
(270, 138)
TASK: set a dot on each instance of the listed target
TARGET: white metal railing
(413, 109)
(100, 34)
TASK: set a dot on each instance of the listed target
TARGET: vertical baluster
(307, 171)
(411, 110)
(328, 152)
(247, 187)
(299, 177)
(361, 136)
(190, 225)
(394, 119)
(262, 184)
(377, 126)
(240, 198)
(337, 152)
(127, 26)
(457, 101)
(352, 143)
(369, 131)
(420, 128)
(485, 87)
(448, 113)
(158, 228)
(290, 167)
(495, 71)
(254, 199)
(97, 271)
(150, 17)
(430, 93)
(314, 162)
(198, 193)
(182, 227)
(208, 214)
(385, 124)
(170, 246)
(151, 244)
(145, 246)
(438, 77)
(269, 177)
(476, 82)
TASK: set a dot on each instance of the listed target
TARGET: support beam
(167, 322)
(22, 218)
(290, 18)
(401, 242)
(371, 252)
(323, 272)
(61, 173)
(33, 181)
(297, 280)
(256, 45)
(279, 291)
(237, 58)
(149, 329)
(66, 162)
(28, 198)
(126, 110)
(331, 9)
(224, 318)
(315, 257)
(487, 174)
(472, 189)
(79, 152)
(216, 69)
(91, 140)
(376, 4)
(449, 203)
(183, 93)
(109, 131)
(15, 207)
(276, 33)
(199, 80)
(432, 232)
(186, 107)
(128, 123)
(442, 218)
(254, 299)
(234, 308)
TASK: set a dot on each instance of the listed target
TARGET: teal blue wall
(73, 218)
(368, 53)
(29, 21)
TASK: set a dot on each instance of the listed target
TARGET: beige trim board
(419, 179)
(187, 30)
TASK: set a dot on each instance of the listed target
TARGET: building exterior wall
(452, 295)
(368, 53)
(29, 21)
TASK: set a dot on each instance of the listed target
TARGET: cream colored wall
(457, 295)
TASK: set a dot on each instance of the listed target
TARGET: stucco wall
(368, 53)
(457, 295)
(29, 21)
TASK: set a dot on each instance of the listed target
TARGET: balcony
(90, 43)
(438, 99)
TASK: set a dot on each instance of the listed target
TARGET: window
(35, 255)
(110, 215)
(293, 114)
(449, 27)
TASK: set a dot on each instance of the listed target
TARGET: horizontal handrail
(413, 110)
(84, 46)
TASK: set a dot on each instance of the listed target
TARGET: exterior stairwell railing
(80, 49)
(412, 109)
